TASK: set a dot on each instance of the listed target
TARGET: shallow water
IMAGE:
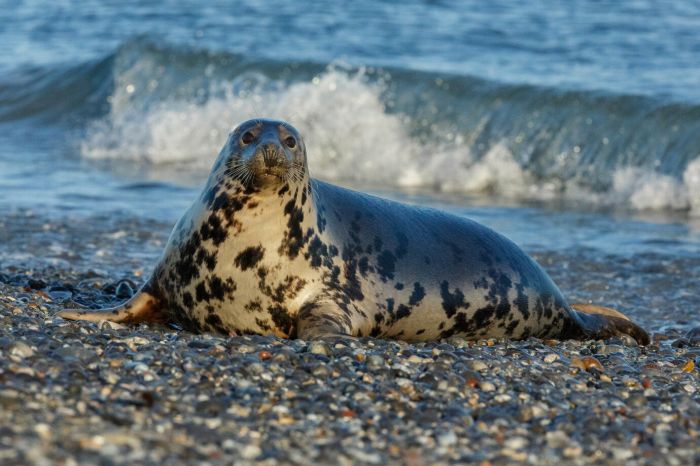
(573, 129)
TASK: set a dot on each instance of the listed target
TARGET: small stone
(516, 443)
(110, 377)
(611, 349)
(124, 290)
(587, 363)
(621, 454)
(693, 336)
(551, 357)
(250, 452)
(375, 362)
(319, 347)
(487, 386)
(36, 284)
(416, 359)
(447, 439)
(573, 451)
(21, 349)
(689, 366)
(557, 439)
(477, 365)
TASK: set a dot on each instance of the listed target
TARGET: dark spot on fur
(363, 265)
(378, 243)
(352, 286)
(390, 305)
(402, 248)
(497, 295)
(293, 238)
(201, 292)
(321, 219)
(451, 302)
(249, 257)
(254, 306)
(511, 327)
(187, 299)
(522, 302)
(399, 286)
(215, 322)
(420, 332)
(386, 263)
(417, 295)
(280, 316)
(212, 229)
(185, 266)
(317, 253)
(403, 311)
(263, 324)
(219, 289)
(283, 190)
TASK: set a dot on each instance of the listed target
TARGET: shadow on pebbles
(79, 393)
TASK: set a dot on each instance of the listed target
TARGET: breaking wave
(161, 105)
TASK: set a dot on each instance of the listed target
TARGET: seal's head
(265, 154)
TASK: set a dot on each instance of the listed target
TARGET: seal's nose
(271, 155)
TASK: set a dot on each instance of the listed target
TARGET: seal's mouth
(271, 172)
(269, 161)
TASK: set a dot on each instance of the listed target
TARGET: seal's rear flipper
(603, 322)
(143, 307)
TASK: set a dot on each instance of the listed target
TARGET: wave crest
(364, 127)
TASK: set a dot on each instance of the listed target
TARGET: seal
(266, 249)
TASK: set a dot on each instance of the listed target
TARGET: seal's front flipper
(143, 307)
(323, 319)
(603, 322)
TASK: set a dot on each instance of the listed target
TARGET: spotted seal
(266, 249)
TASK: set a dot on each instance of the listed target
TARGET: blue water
(562, 124)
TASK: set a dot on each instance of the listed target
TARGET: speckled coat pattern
(252, 260)
(266, 249)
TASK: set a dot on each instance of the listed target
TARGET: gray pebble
(20, 349)
(319, 347)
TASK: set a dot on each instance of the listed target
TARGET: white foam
(351, 137)
(691, 181)
(648, 190)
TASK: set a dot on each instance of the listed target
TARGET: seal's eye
(247, 137)
(290, 142)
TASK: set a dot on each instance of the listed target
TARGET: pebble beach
(82, 393)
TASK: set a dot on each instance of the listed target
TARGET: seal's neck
(289, 205)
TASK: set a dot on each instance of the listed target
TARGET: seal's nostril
(271, 155)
